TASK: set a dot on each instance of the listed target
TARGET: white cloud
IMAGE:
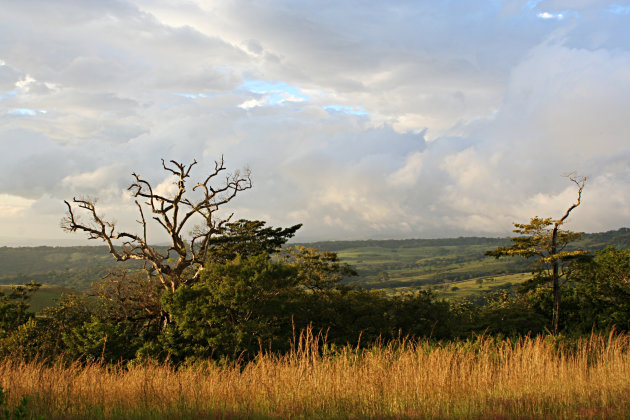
(25, 83)
(393, 119)
(11, 205)
(547, 15)
(408, 175)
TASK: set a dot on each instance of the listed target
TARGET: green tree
(14, 307)
(45, 337)
(544, 240)
(247, 238)
(236, 307)
(600, 295)
(509, 314)
(421, 314)
(316, 270)
(258, 301)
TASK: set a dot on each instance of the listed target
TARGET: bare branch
(579, 181)
(172, 213)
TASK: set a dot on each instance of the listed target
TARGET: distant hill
(389, 264)
(75, 266)
(454, 266)
(619, 238)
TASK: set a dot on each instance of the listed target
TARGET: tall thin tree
(545, 240)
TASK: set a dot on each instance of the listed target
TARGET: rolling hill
(454, 266)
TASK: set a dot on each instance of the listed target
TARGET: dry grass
(528, 378)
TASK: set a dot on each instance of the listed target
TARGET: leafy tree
(247, 238)
(42, 337)
(544, 240)
(125, 316)
(235, 308)
(110, 325)
(511, 314)
(601, 291)
(421, 314)
(346, 315)
(14, 307)
(258, 301)
(317, 270)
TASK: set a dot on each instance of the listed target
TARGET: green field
(444, 264)
(45, 296)
(426, 266)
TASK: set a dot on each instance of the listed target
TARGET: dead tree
(187, 251)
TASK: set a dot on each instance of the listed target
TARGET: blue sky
(396, 119)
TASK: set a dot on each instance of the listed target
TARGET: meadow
(489, 378)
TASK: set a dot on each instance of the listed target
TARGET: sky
(359, 119)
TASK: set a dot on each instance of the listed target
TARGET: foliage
(345, 315)
(315, 269)
(14, 307)
(247, 238)
(19, 412)
(511, 314)
(536, 241)
(235, 308)
(600, 294)
(422, 314)
(46, 336)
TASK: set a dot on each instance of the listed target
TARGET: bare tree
(187, 251)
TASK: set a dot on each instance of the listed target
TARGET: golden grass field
(530, 378)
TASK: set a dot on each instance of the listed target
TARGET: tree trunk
(556, 297)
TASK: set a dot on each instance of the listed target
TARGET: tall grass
(485, 378)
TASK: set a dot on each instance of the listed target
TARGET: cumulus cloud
(401, 119)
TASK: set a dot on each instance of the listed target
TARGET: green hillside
(446, 264)
(74, 267)
(454, 266)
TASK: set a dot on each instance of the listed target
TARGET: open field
(45, 296)
(426, 267)
(470, 288)
(535, 378)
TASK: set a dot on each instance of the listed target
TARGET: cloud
(11, 205)
(547, 15)
(393, 119)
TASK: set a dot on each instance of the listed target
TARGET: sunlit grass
(526, 378)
